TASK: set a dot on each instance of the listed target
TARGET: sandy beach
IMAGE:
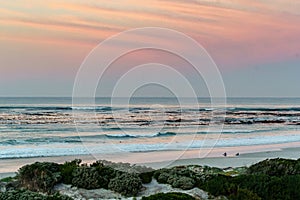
(248, 156)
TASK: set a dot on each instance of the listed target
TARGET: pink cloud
(236, 33)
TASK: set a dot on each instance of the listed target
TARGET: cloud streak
(237, 33)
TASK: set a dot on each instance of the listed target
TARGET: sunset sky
(255, 43)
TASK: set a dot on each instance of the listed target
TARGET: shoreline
(248, 155)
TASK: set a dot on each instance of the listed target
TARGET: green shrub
(88, 178)
(183, 182)
(126, 184)
(272, 187)
(146, 177)
(219, 185)
(276, 167)
(178, 177)
(184, 171)
(39, 177)
(67, 170)
(29, 195)
(244, 194)
(94, 176)
(169, 196)
(157, 173)
(163, 177)
(254, 186)
(7, 179)
(107, 173)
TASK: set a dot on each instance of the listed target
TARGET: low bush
(146, 177)
(162, 177)
(169, 196)
(29, 195)
(254, 187)
(183, 182)
(177, 177)
(67, 170)
(219, 185)
(107, 173)
(276, 167)
(39, 177)
(88, 178)
(7, 179)
(126, 184)
(244, 194)
(271, 187)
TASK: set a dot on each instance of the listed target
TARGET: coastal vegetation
(29, 195)
(126, 184)
(169, 196)
(270, 179)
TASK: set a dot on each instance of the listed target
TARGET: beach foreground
(268, 179)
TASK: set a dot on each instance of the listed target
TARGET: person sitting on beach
(225, 154)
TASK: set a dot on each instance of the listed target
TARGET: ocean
(41, 127)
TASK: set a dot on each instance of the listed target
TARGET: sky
(255, 43)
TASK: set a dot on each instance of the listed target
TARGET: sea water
(34, 127)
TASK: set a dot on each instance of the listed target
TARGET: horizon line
(148, 97)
